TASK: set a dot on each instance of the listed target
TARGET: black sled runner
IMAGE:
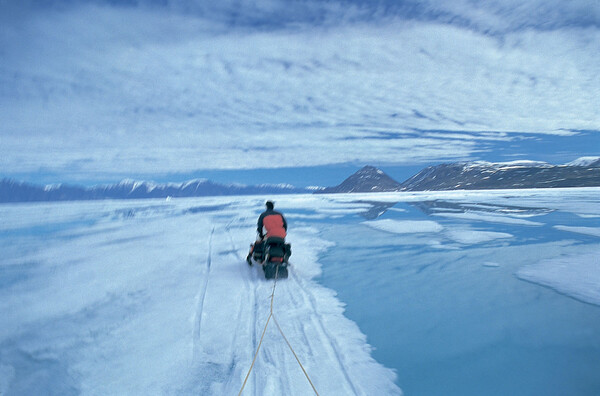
(273, 255)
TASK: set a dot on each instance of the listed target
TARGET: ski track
(247, 298)
(239, 329)
(201, 296)
(275, 370)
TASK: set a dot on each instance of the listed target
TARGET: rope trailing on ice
(271, 315)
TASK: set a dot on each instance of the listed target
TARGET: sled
(273, 255)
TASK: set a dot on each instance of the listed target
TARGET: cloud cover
(176, 86)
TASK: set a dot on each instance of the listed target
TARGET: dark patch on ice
(422, 268)
(418, 114)
(120, 241)
(128, 213)
(207, 208)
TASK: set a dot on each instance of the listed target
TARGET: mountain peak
(370, 169)
(585, 161)
(366, 179)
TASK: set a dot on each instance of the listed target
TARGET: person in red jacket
(271, 223)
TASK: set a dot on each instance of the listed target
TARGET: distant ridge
(478, 175)
(14, 191)
(508, 175)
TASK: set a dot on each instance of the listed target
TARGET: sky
(302, 92)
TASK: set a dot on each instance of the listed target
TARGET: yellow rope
(255, 355)
(271, 315)
(296, 356)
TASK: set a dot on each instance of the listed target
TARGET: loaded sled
(273, 255)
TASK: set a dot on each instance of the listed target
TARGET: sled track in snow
(300, 295)
(200, 300)
(326, 336)
(251, 295)
(231, 383)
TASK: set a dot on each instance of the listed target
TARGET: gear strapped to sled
(272, 254)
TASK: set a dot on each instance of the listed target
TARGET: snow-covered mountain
(506, 175)
(13, 191)
(367, 179)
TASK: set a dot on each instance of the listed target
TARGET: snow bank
(577, 276)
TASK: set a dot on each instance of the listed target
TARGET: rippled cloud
(178, 86)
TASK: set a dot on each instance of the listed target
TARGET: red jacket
(272, 224)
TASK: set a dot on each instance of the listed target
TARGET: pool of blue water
(454, 319)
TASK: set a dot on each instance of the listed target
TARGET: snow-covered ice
(575, 275)
(155, 297)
